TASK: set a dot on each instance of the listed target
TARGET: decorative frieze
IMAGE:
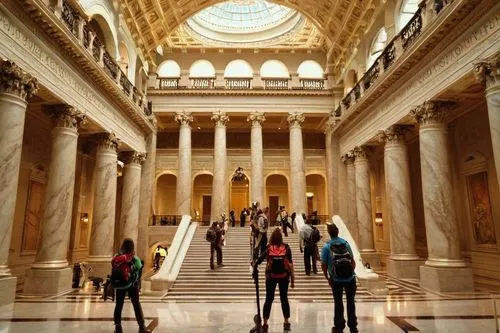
(107, 141)
(133, 157)
(295, 119)
(67, 116)
(220, 118)
(393, 134)
(431, 112)
(184, 118)
(13, 80)
(488, 72)
(256, 118)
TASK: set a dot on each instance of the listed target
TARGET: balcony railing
(394, 49)
(203, 83)
(312, 84)
(169, 83)
(275, 84)
(166, 219)
(238, 83)
(88, 38)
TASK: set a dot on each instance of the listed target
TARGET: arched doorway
(276, 194)
(202, 198)
(316, 194)
(239, 194)
(104, 34)
(165, 195)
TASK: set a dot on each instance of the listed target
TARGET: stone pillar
(404, 262)
(50, 274)
(16, 87)
(129, 216)
(297, 175)
(103, 224)
(364, 209)
(444, 270)
(350, 219)
(220, 187)
(184, 187)
(257, 159)
(331, 171)
(489, 74)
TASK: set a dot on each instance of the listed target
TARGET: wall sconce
(309, 194)
(378, 218)
(84, 217)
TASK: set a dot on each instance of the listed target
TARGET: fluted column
(331, 171)
(16, 87)
(404, 261)
(220, 187)
(444, 261)
(488, 73)
(351, 220)
(129, 216)
(184, 187)
(103, 224)
(50, 269)
(297, 175)
(257, 157)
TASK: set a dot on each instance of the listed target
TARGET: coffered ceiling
(341, 23)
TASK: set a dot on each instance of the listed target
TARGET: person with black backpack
(280, 272)
(125, 277)
(214, 237)
(337, 263)
(309, 236)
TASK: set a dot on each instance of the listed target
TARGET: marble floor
(84, 313)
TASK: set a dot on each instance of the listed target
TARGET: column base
(373, 258)
(404, 269)
(101, 267)
(7, 290)
(446, 279)
(375, 286)
(48, 281)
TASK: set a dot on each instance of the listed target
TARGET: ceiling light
(199, 127)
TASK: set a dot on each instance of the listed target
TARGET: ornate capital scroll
(64, 115)
(360, 153)
(431, 112)
(488, 72)
(107, 141)
(133, 157)
(13, 80)
(220, 118)
(257, 118)
(348, 158)
(393, 134)
(330, 124)
(184, 118)
(295, 119)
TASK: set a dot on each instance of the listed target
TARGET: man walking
(337, 263)
(259, 229)
(214, 236)
(308, 237)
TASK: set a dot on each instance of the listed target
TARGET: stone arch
(123, 57)
(274, 68)
(377, 45)
(316, 184)
(166, 184)
(202, 209)
(105, 33)
(238, 68)
(404, 11)
(284, 198)
(202, 68)
(310, 69)
(169, 68)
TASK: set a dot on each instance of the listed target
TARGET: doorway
(206, 209)
(274, 202)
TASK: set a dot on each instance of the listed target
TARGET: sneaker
(265, 328)
(287, 327)
(118, 329)
(336, 330)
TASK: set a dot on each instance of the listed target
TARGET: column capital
(183, 118)
(393, 134)
(295, 119)
(348, 158)
(107, 141)
(330, 124)
(220, 118)
(13, 80)
(488, 72)
(133, 157)
(360, 153)
(256, 118)
(67, 116)
(432, 112)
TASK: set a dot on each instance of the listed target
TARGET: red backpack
(121, 270)
(278, 265)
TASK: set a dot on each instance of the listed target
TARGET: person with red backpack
(279, 271)
(337, 263)
(125, 278)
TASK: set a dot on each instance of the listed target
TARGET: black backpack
(211, 235)
(342, 260)
(315, 235)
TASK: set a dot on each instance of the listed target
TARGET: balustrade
(86, 36)
(389, 55)
(126, 84)
(110, 66)
(275, 84)
(371, 75)
(412, 30)
(357, 91)
(203, 83)
(169, 83)
(238, 83)
(96, 49)
(69, 16)
(312, 84)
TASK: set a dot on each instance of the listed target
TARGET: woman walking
(279, 271)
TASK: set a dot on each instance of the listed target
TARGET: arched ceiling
(341, 22)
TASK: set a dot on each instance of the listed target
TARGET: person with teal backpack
(125, 278)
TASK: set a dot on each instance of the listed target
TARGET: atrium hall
(151, 119)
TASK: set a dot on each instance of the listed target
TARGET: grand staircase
(233, 282)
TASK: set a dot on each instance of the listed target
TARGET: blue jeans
(350, 292)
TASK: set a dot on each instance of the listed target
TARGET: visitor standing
(125, 277)
(279, 271)
(243, 217)
(232, 218)
(214, 237)
(259, 230)
(309, 236)
(337, 263)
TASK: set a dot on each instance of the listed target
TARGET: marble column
(148, 188)
(16, 87)
(297, 174)
(103, 224)
(488, 73)
(257, 157)
(332, 170)
(129, 216)
(404, 262)
(50, 274)
(350, 219)
(184, 187)
(444, 269)
(220, 189)
(364, 209)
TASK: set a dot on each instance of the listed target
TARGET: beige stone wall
(165, 195)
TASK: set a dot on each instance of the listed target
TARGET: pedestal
(7, 290)
(48, 281)
(373, 258)
(446, 279)
(100, 267)
(404, 269)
